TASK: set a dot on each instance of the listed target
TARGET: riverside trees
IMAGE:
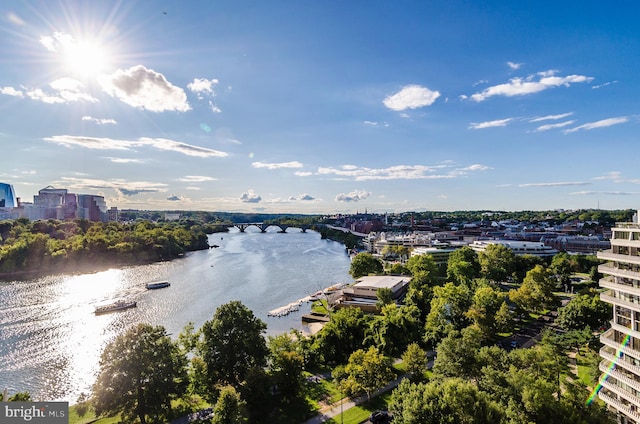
(54, 245)
(141, 371)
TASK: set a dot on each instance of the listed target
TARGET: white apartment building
(620, 366)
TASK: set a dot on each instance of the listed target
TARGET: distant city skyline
(322, 106)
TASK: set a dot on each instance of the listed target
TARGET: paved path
(335, 409)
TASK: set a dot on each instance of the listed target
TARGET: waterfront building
(517, 247)
(363, 294)
(440, 254)
(620, 380)
(7, 196)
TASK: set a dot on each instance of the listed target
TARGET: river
(50, 339)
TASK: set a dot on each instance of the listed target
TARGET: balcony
(606, 338)
(609, 283)
(627, 396)
(634, 369)
(620, 376)
(609, 297)
(610, 269)
(608, 255)
(619, 406)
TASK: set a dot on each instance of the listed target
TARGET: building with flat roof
(364, 293)
(517, 247)
(621, 351)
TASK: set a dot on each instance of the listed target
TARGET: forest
(71, 246)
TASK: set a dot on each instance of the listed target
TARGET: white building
(621, 351)
(517, 247)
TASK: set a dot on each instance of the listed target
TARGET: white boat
(115, 306)
(157, 285)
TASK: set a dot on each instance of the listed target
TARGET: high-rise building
(7, 196)
(620, 381)
(92, 207)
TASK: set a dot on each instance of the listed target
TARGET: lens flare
(604, 376)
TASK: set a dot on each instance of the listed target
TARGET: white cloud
(553, 126)
(411, 97)
(606, 193)
(599, 124)
(10, 91)
(145, 89)
(551, 117)
(99, 121)
(202, 85)
(115, 144)
(123, 187)
(303, 173)
(476, 167)
(66, 90)
(195, 179)
(604, 84)
(528, 85)
(558, 184)
(399, 172)
(353, 196)
(250, 197)
(514, 65)
(123, 160)
(294, 164)
(490, 124)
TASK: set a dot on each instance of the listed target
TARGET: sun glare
(86, 58)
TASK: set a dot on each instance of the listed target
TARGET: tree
(536, 291)
(341, 336)
(365, 264)
(232, 342)
(415, 360)
(385, 297)
(227, 409)
(449, 401)
(367, 370)
(395, 328)
(456, 353)
(497, 262)
(584, 310)
(486, 304)
(286, 364)
(463, 266)
(448, 307)
(561, 266)
(141, 371)
(423, 264)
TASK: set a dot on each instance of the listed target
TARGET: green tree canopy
(341, 336)
(584, 310)
(232, 342)
(141, 371)
(497, 262)
(365, 264)
(448, 307)
(463, 266)
(366, 371)
(449, 401)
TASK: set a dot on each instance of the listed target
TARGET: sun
(85, 57)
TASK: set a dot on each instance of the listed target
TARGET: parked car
(380, 417)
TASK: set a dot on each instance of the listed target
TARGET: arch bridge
(263, 226)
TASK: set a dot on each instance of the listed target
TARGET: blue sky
(323, 106)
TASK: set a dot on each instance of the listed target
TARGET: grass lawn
(361, 413)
